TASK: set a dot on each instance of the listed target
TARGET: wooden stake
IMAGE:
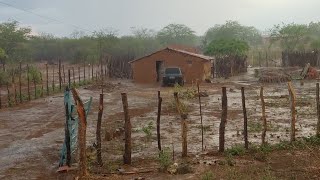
(98, 132)
(53, 83)
(74, 79)
(8, 95)
(84, 71)
(64, 75)
(20, 85)
(183, 126)
(28, 77)
(158, 121)
(245, 119)
(264, 120)
(223, 119)
(60, 78)
(127, 128)
(67, 133)
(47, 71)
(92, 72)
(318, 110)
(69, 78)
(79, 72)
(41, 84)
(81, 133)
(200, 110)
(35, 87)
(14, 88)
(292, 96)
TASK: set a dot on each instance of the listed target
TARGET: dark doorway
(159, 68)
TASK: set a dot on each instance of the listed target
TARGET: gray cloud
(124, 14)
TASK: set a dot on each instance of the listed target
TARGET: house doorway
(159, 70)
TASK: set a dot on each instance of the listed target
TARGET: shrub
(164, 159)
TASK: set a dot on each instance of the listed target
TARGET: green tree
(177, 34)
(12, 38)
(233, 30)
(290, 36)
(314, 32)
(227, 47)
(3, 55)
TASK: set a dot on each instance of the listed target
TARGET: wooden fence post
(200, 110)
(98, 132)
(20, 85)
(158, 121)
(127, 128)
(41, 84)
(35, 87)
(74, 79)
(292, 96)
(14, 87)
(47, 70)
(8, 94)
(81, 133)
(69, 78)
(245, 119)
(318, 110)
(53, 83)
(60, 78)
(223, 119)
(183, 126)
(64, 75)
(264, 120)
(67, 133)
(92, 72)
(84, 71)
(79, 72)
(28, 78)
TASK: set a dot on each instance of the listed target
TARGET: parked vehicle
(171, 76)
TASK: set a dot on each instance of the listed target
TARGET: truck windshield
(172, 71)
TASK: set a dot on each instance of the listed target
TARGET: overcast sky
(123, 14)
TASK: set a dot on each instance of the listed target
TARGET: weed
(207, 176)
(148, 131)
(236, 150)
(164, 159)
(229, 160)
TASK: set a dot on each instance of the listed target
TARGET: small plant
(148, 131)
(164, 159)
(207, 176)
(236, 150)
(229, 160)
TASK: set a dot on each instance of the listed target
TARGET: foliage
(4, 77)
(236, 150)
(233, 30)
(227, 47)
(148, 130)
(12, 36)
(176, 34)
(185, 93)
(34, 74)
(164, 159)
(207, 176)
(291, 36)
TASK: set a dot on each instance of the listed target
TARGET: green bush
(164, 159)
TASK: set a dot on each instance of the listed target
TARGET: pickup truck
(171, 76)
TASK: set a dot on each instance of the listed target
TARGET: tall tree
(227, 47)
(177, 34)
(12, 36)
(233, 30)
(291, 36)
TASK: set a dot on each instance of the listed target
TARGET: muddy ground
(32, 133)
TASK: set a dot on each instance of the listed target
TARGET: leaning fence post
(28, 78)
(158, 121)
(127, 129)
(318, 110)
(223, 119)
(245, 119)
(200, 110)
(264, 120)
(81, 132)
(98, 132)
(292, 96)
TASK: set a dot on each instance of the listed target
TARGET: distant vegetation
(17, 43)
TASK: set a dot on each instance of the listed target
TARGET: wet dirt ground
(32, 134)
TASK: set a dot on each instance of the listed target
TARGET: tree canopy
(176, 34)
(227, 47)
(233, 30)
